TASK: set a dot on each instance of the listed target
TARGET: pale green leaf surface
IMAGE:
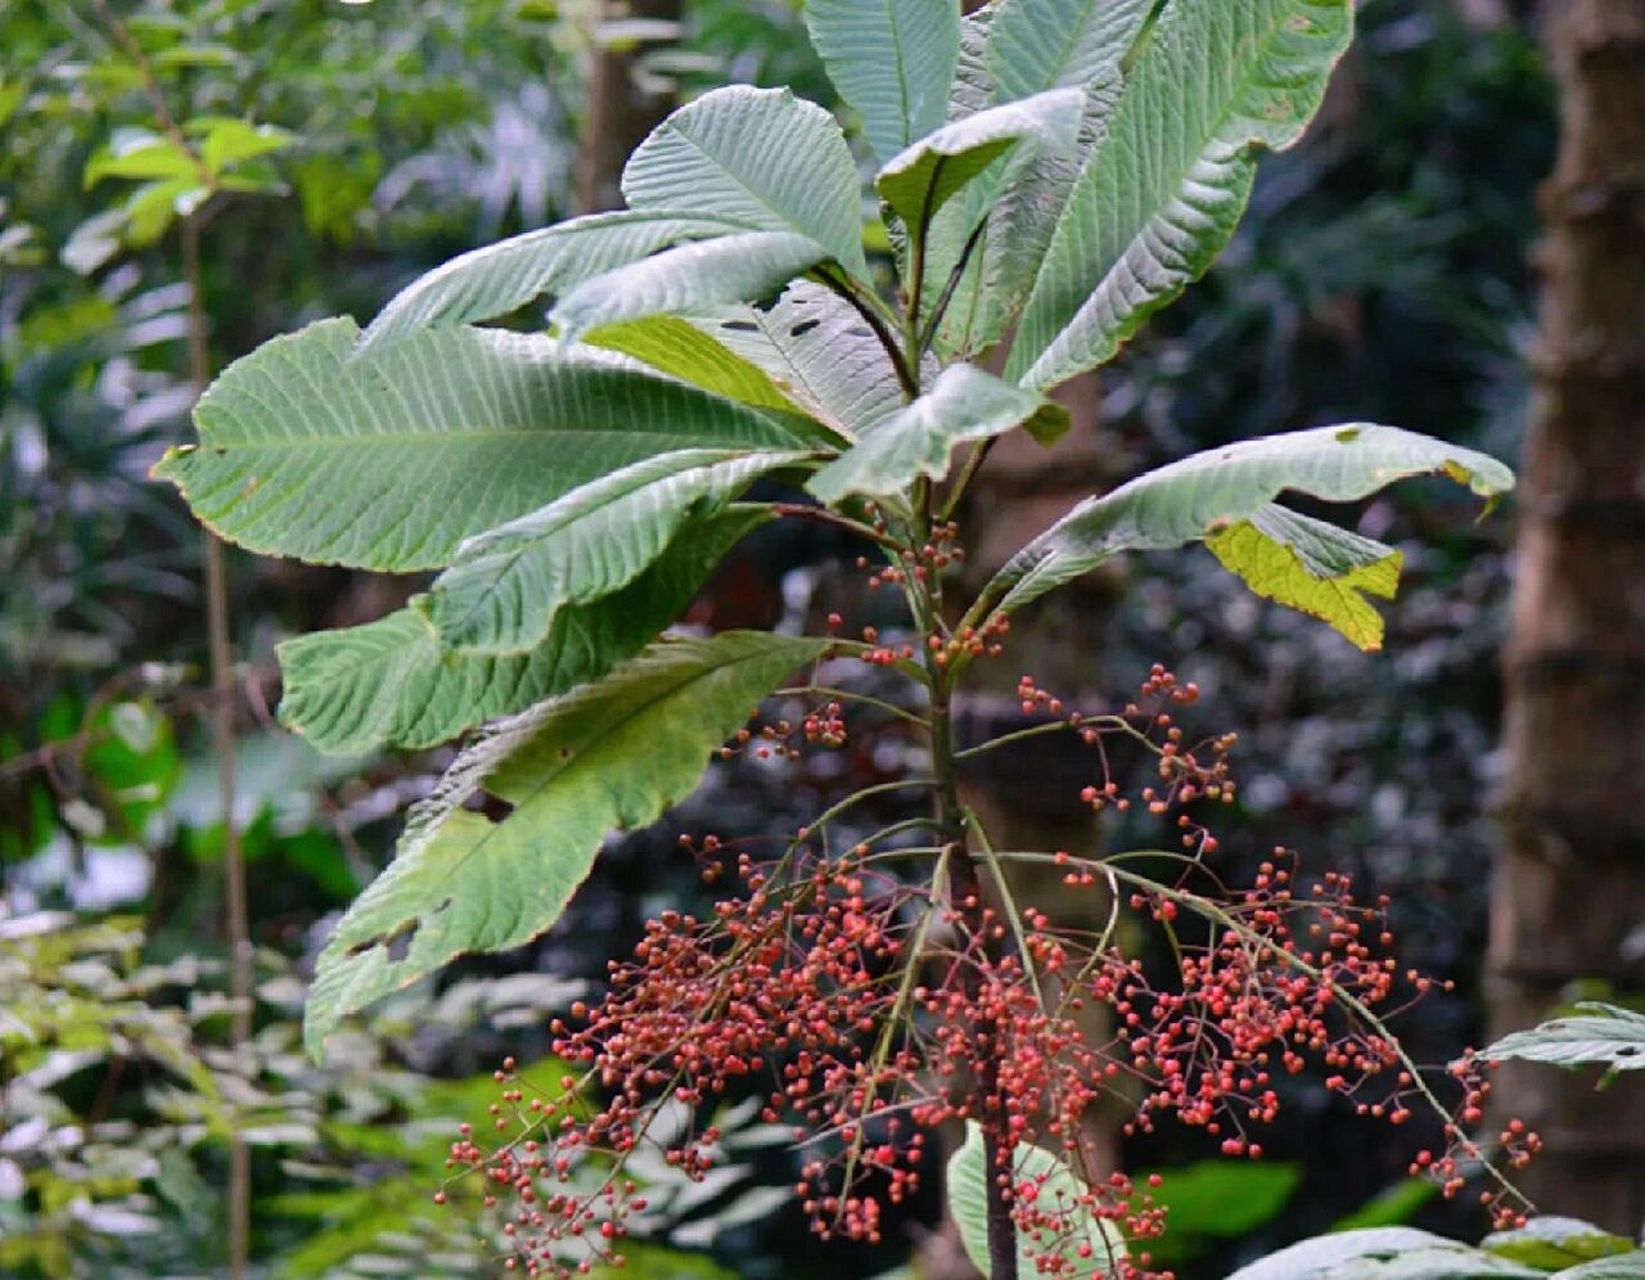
(1312, 567)
(1382, 1253)
(1161, 194)
(390, 459)
(745, 267)
(503, 277)
(609, 756)
(1035, 45)
(682, 349)
(503, 591)
(758, 157)
(818, 351)
(1207, 492)
(917, 182)
(964, 403)
(1624, 1266)
(1551, 1242)
(1598, 1033)
(387, 683)
(1058, 1187)
(892, 61)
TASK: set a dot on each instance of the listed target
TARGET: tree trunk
(620, 109)
(1569, 898)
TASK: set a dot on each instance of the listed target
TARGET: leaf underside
(611, 756)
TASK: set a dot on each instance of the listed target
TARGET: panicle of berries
(870, 1011)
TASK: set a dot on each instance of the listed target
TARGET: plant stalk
(965, 887)
(222, 744)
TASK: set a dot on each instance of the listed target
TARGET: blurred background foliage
(1383, 274)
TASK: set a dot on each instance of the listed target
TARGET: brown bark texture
(621, 109)
(1568, 904)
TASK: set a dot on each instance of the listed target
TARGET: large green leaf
(1057, 1186)
(892, 61)
(1162, 192)
(1035, 45)
(759, 157)
(503, 277)
(388, 683)
(746, 267)
(1598, 1033)
(918, 181)
(609, 756)
(819, 351)
(506, 586)
(964, 403)
(682, 349)
(391, 458)
(1212, 495)
(1551, 1242)
(1383, 1253)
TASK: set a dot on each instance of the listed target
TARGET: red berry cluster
(871, 1010)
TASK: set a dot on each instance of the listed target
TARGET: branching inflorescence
(871, 1008)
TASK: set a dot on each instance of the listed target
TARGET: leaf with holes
(819, 351)
(507, 585)
(1597, 1034)
(609, 756)
(1213, 495)
(759, 157)
(1160, 195)
(684, 350)
(388, 683)
(390, 459)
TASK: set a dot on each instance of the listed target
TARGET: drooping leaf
(1550, 1243)
(1035, 45)
(758, 157)
(918, 181)
(686, 350)
(1209, 494)
(1161, 194)
(1313, 567)
(1057, 1188)
(964, 403)
(745, 267)
(1598, 1033)
(892, 61)
(501, 594)
(387, 683)
(391, 458)
(1383, 1253)
(503, 277)
(819, 351)
(609, 756)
